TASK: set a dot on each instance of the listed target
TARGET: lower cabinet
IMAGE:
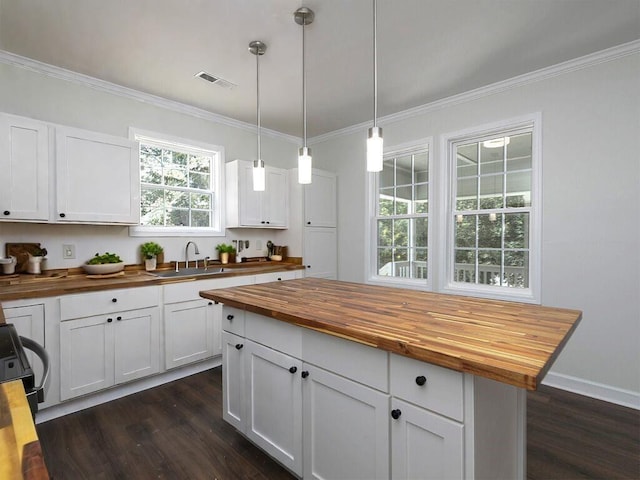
(192, 332)
(29, 322)
(104, 350)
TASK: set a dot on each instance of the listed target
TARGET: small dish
(276, 258)
(103, 268)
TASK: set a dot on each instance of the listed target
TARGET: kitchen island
(346, 380)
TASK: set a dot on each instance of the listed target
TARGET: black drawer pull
(114, 300)
(109, 320)
(210, 303)
(7, 212)
(62, 215)
(304, 374)
(293, 369)
(421, 380)
(239, 346)
(119, 318)
(395, 414)
(229, 317)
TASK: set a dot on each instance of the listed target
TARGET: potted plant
(224, 251)
(34, 263)
(150, 252)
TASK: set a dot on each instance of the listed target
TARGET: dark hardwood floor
(176, 431)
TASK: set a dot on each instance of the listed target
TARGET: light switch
(68, 251)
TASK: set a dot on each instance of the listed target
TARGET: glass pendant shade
(374, 150)
(304, 165)
(259, 176)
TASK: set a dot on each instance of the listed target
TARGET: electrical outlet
(68, 252)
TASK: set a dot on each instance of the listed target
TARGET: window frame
(217, 171)
(371, 248)
(446, 262)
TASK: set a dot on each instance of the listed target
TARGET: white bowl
(276, 258)
(103, 268)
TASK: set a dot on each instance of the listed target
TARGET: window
(179, 186)
(402, 215)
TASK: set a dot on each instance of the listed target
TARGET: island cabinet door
(274, 413)
(233, 383)
(346, 428)
(424, 445)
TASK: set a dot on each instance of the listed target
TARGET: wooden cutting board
(21, 251)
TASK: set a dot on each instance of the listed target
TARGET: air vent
(221, 82)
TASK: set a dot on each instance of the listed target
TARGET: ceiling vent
(221, 82)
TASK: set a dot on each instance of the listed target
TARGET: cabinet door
(346, 428)
(276, 201)
(29, 322)
(320, 199)
(320, 255)
(424, 445)
(97, 178)
(86, 355)
(250, 201)
(274, 411)
(189, 332)
(136, 344)
(233, 383)
(24, 163)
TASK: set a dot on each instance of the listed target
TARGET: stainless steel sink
(188, 272)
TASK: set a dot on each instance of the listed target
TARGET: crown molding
(579, 63)
(155, 100)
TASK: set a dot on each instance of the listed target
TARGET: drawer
(185, 291)
(277, 276)
(275, 334)
(361, 363)
(441, 392)
(109, 301)
(233, 320)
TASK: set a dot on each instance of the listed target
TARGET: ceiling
(427, 49)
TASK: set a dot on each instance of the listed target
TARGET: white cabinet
(192, 332)
(118, 342)
(97, 178)
(320, 198)
(247, 208)
(346, 428)
(24, 163)
(233, 382)
(29, 322)
(320, 252)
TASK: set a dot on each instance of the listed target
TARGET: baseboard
(619, 396)
(105, 396)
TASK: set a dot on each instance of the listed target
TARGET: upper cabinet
(247, 208)
(24, 163)
(97, 178)
(320, 200)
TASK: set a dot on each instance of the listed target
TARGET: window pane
(465, 235)
(492, 156)
(516, 269)
(519, 152)
(519, 189)
(385, 202)
(467, 160)
(175, 176)
(201, 181)
(200, 218)
(421, 192)
(199, 164)
(201, 201)
(516, 233)
(421, 167)
(386, 176)
(489, 262)
(177, 217)
(385, 265)
(467, 194)
(420, 229)
(490, 230)
(385, 233)
(403, 200)
(404, 170)
(177, 199)
(178, 159)
(401, 232)
(491, 192)
(465, 267)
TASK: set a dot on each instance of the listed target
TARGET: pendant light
(374, 138)
(304, 16)
(259, 177)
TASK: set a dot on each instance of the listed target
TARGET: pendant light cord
(304, 89)
(375, 64)
(258, 102)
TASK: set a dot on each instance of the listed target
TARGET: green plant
(150, 250)
(40, 252)
(106, 258)
(224, 248)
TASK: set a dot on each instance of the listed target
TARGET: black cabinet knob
(279, 279)
(293, 369)
(239, 346)
(304, 374)
(114, 300)
(210, 303)
(395, 413)
(262, 222)
(229, 317)
(109, 320)
(268, 223)
(7, 212)
(308, 223)
(421, 380)
(119, 318)
(62, 215)
(308, 266)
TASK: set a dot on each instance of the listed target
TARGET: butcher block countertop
(513, 343)
(64, 282)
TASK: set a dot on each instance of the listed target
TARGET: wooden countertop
(75, 281)
(513, 343)
(20, 452)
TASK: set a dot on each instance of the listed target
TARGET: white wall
(36, 95)
(591, 207)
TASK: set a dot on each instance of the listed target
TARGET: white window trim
(153, 231)
(446, 235)
(371, 239)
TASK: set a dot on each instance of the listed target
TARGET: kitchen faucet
(186, 253)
